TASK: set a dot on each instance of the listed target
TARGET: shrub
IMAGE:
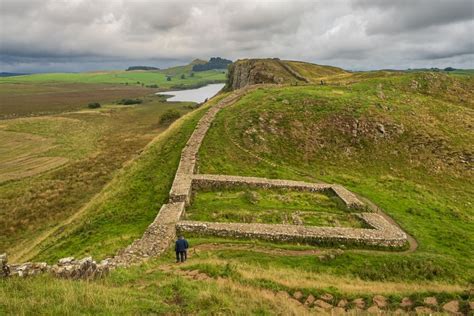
(169, 116)
(168, 78)
(183, 76)
(93, 105)
(152, 86)
(130, 101)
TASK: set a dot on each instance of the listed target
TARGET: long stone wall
(382, 233)
(160, 234)
(206, 181)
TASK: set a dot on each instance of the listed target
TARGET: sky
(83, 35)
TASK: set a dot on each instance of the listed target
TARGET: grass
(35, 99)
(50, 93)
(107, 223)
(78, 153)
(133, 78)
(416, 170)
(138, 290)
(272, 206)
(237, 286)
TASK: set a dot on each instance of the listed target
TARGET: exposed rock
(399, 311)
(4, 268)
(65, 261)
(471, 306)
(309, 300)
(374, 309)
(381, 128)
(359, 303)
(327, 297)
(406, 302)
(285, 101)
(452, 307)
(422, 310)
(322, 304)
(380, 301)
(342, 303)
(298, 295)
(431, 300)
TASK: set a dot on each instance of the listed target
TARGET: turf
(60, 162)
(416, 168)
(276, 206)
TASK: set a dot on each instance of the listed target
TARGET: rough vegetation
(402, 140)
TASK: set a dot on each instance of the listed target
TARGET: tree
(93, 105)
(169, 117)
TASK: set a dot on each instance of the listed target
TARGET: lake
(194, 95)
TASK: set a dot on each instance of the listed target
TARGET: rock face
(246, 72)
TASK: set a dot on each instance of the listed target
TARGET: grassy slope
(416, 171)
(411, 194)
(122, 211)
(95, 143)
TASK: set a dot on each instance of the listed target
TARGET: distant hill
(213, 63)
(142, 68)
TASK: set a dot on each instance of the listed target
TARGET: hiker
(181, 247)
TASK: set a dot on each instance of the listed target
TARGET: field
(60, 162)
(42, 94)
(401, 140)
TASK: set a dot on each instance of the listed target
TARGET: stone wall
(382, 233)
(207, 181)
(68, 268)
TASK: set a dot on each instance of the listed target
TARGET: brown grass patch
(23, 99)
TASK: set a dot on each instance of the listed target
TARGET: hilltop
(400, 141)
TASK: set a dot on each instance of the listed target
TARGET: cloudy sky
(76, 35)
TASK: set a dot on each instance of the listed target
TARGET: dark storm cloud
(51, 35)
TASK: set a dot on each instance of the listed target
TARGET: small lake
(194, 95)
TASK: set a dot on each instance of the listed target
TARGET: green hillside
(137, 77)
(402, 140)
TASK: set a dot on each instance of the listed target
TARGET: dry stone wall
(160, 234)
(382, 233)
(206, 181)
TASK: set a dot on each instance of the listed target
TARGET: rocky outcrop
(248, 72)
(68, 268)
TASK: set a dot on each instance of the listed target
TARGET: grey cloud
(405, 15)
(363, 34)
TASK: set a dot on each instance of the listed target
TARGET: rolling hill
(401, 141)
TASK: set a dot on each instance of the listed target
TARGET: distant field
(121, 77)
(26, 99)
(41, 94)
(60, 161)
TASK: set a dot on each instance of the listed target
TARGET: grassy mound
(401, 140)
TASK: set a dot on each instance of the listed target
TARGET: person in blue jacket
(181, 248)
